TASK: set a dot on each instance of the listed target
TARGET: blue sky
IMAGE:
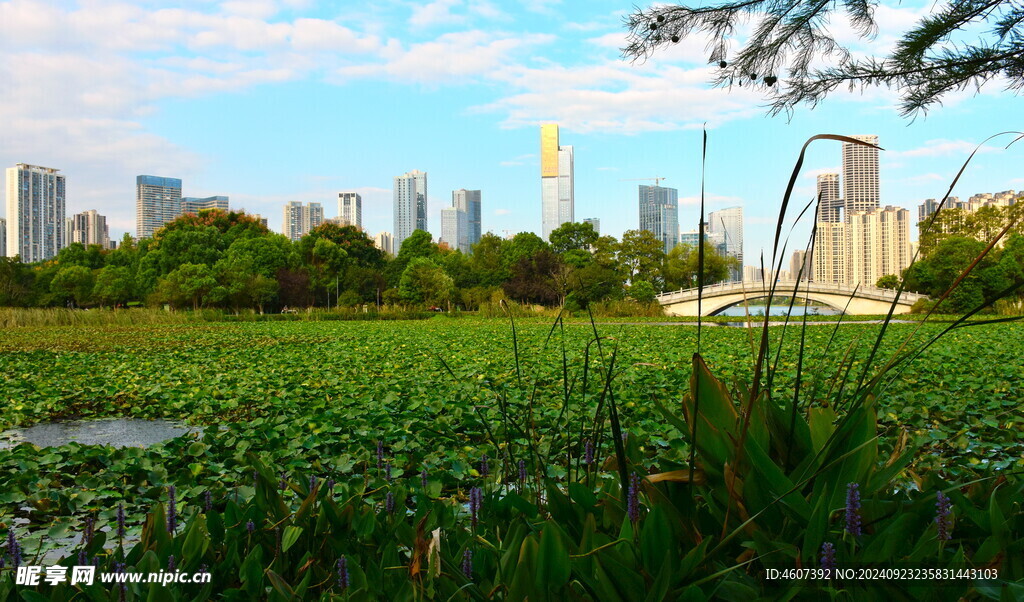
(270, 101)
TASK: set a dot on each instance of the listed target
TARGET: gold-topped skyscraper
(556, 180)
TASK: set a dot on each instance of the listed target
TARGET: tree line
(230, 260)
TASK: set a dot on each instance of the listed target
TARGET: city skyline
(279, 101)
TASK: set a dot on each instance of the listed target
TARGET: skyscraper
(595, 222)
(384, 242)
(556, 180)
(829, 254)
(157, 201)
(800, 265)
(455, 228)
(469, 201)
(860, 175)
(35, 212)
(350, 209)
(410, 194)
(729, 224)
(90, 228)
(659, 214)
(299, 219)
(191, 204)
(830, 204)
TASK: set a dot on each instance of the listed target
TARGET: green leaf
(553, 567)
(289, 537)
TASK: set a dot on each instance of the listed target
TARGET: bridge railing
(782, 286)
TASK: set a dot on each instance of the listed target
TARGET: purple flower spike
(467, 563)
(342, 570)
(633, 498)
(380, 454)
(389, 503)
(330, 486)
(82, 558)
(207, 501)
(423, 478)
(485, 468)
(853, 522)
(312, 482)
(88, 531)
(282, 483)
(522, 471)
(943, 518)
(172, 510)
(387, 471)
(588, 453)
(171, 564)
(828, 556)
(119, 568)
(476, 500)
(250, 527)
(13, 548)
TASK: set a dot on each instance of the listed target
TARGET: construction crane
(657, 181)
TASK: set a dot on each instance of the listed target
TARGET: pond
(117, 432)
(780, 310)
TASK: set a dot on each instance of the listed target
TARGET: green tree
(425, 283)
(890, 281)
(682, 263)
(113, 285)
(791, 38)
(537, 279)
(73, 282)
(490, 260)
(524, 244)
(189, 284)
(419, 244)
(642, 291)
(572, 236)
(642, 256)
(15, 283)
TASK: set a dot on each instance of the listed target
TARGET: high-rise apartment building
(300, 219)
(829, 254)
(90, 228)
(191, 204)
(595, 222)
(879, 245)
(35, 212)
(350, 209)
(659, 214)
(157, 201)
(384, 242)
(469, 202)
(800, 263)
(455, 228)
(728, 223)
(860, 175)
(556, 181)
(830, 205)
(410, 195)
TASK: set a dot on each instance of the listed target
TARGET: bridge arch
(853, 300)
(714, 305)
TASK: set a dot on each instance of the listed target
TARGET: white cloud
(438, 12)
(510, 163)
(502, 211)
(944, 148)
(452, 56)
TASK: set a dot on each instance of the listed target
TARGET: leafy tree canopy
(960, 44)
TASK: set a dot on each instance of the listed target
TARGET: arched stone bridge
(866, 300)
